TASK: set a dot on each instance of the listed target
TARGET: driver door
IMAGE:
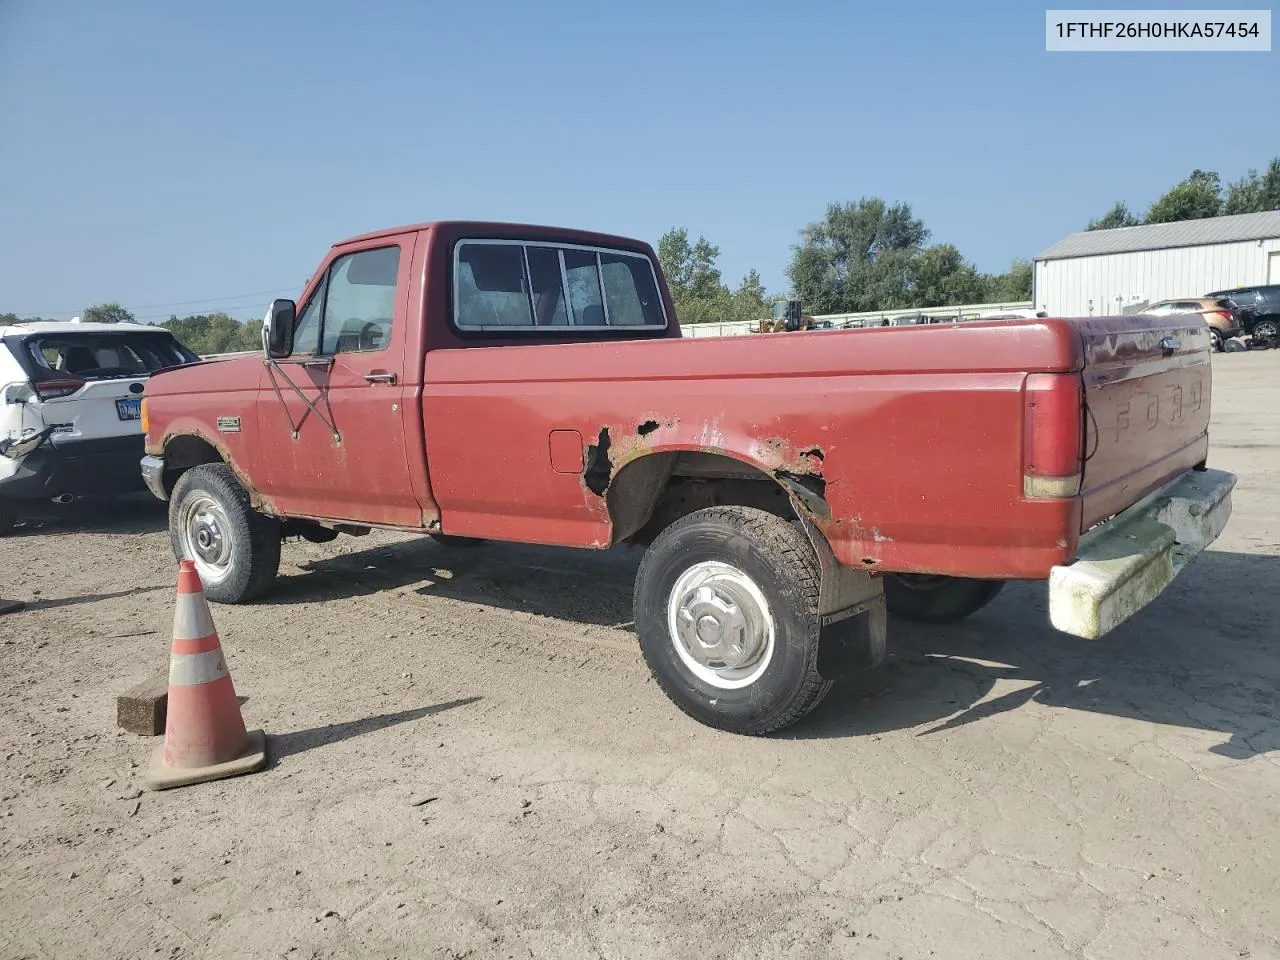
(331, 416)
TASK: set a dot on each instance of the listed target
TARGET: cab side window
(351, 310)
(360, 301)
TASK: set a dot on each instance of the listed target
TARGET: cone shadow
(299, 741)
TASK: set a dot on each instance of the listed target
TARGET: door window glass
(360, 301)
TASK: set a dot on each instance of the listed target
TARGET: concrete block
(141, 709)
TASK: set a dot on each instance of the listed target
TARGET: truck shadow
(1205, 656)
(586, 587)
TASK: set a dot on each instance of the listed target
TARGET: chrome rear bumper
(1125, 563)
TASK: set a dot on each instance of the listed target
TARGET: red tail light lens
(1223, 315)
(1053, 436)
(53, 389)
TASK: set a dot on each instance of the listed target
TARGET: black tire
(780, 562)
(252, 557)
(1215, 339)
(936, 599)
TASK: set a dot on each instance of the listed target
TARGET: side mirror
(277, 329)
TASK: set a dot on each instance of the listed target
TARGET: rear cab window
(517, 285)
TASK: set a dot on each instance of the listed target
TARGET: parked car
(506, 382)
(1257, 309)
(1216, 311)
(69, 421)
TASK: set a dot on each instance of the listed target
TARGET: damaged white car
(70, 399)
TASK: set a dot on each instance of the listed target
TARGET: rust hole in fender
(599, 470)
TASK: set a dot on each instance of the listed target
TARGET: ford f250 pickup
(488, 381)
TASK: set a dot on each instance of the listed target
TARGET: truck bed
(909, 439)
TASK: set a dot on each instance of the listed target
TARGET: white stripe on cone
(191, 620)
(189, 669)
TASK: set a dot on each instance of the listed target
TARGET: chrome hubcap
(720, 625)
(206, 533)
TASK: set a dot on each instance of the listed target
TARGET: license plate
(130, 408)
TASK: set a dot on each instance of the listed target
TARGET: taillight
(53, 389)
(1053, 436)
(1222, 315)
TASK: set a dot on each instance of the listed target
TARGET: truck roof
(491, 227)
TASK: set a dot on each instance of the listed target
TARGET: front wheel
(726, 609)
(924, 598)
(1266, 329)
(236, 550)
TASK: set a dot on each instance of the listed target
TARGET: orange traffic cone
(204, 734)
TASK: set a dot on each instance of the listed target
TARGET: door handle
(1168, 345)
(381, 376)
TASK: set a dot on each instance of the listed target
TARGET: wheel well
(655, 491)
(183, 453)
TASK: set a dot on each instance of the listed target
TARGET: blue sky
(157, 153)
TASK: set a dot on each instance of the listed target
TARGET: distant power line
(218, 304)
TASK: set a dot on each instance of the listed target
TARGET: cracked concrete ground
(469, 760)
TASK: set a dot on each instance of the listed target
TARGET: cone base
(162, 777)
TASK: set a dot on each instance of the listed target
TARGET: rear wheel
(1215, 338)
(1268, 329)
(236, 550)
(925, 598)
(726, 609)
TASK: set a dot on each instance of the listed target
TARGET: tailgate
(1147, 384)
(101, 408)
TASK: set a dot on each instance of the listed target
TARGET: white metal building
(1100, 272)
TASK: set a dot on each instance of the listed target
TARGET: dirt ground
(468, 759)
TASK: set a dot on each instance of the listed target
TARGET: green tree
(1012, 286)
(1117, 216)
(750, 300)
(696, 283)
(860, 256)
(675, 256)
(107, 313)
(942, 277)
(1253, 193)
(207, 333)
(1197, 197)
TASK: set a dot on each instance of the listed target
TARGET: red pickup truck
(487, 381)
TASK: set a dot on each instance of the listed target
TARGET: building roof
(1161, 236)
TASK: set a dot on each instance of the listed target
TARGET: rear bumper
(1125, 563)
(82, 468)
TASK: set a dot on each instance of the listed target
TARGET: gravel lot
(467, 759)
